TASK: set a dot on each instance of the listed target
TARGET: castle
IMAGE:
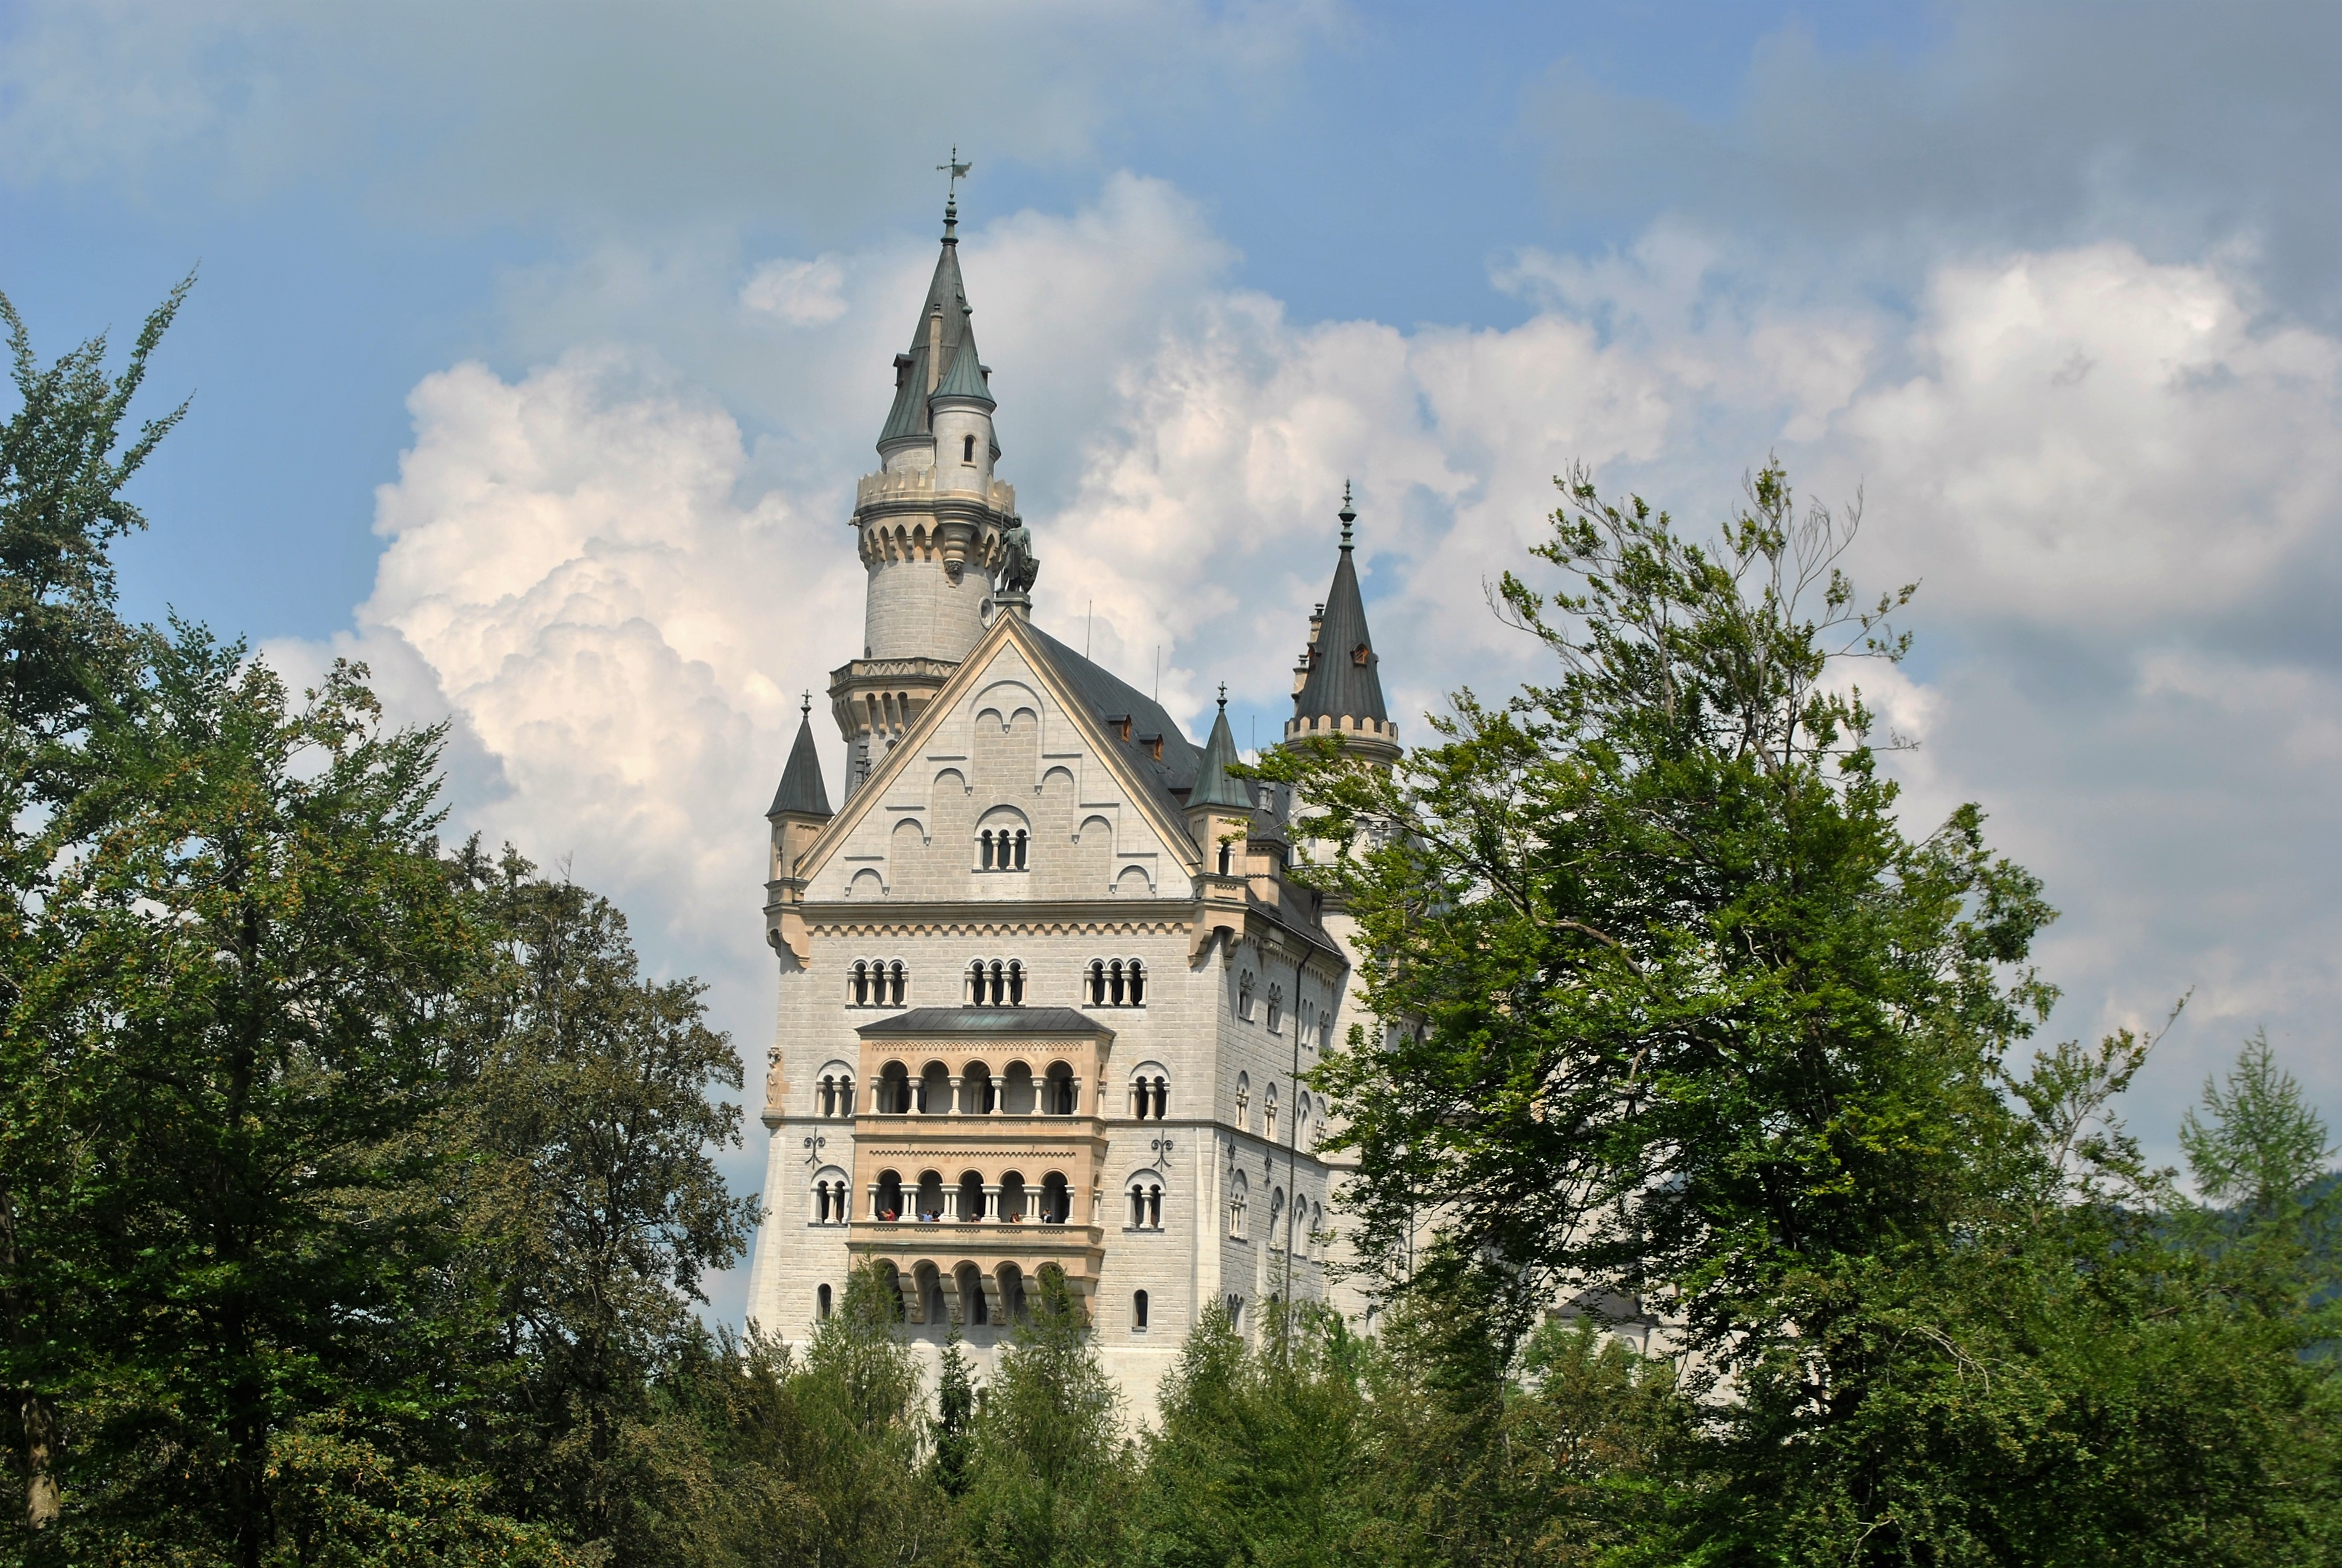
(1045, 985)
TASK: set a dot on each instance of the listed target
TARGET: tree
(64, 461)
(595, 1201)
(1685, 1018)
(237, 1029)
(1261, 1457)
(1050, 1487)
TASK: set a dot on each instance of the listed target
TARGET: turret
(1219, 819)
(1339, 684)
(929, 522)
(800, 810)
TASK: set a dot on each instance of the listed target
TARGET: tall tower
(1337, 688)
(929, 524)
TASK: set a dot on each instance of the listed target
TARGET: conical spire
(966, 378)
(1213, 785)
(934, 342)
(1344, 680)
(802, 791)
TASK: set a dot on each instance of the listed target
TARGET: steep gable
(1016, 781)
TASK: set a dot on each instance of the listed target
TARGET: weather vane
(957, 171)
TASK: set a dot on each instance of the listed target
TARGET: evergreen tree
(955, 1416)
(1051, 1485)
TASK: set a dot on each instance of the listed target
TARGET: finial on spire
(806, 707)
(1348, 514)
(1224, 696)
(956, 170)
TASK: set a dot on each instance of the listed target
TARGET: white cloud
(800, 293)
(2111, 472)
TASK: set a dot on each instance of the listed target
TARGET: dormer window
(1001, 849)
(1360, 654)
(967, 451)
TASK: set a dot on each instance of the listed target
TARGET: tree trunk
(42, 1504)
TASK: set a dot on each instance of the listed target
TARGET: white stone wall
(1104, 879)
(912, 610)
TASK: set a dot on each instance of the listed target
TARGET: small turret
(1220, 820)
(800, 810)
(1340, 688)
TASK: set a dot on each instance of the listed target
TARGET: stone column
(957, 1082)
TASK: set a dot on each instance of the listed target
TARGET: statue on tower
(1018, 565)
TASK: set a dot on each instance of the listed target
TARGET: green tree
(1686, 1016)
(1051, 1485)
(64, 461)
(1259, 1457)
(955, 1434)
(594, 1203)
(252, 954)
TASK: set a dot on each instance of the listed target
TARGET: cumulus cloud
(2112, 472)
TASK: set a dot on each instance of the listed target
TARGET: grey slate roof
(1213, 785)
(909, 414)
(1338, 686)
(986, 1021)
(966, 377)
(801, 787)
(1110, 700)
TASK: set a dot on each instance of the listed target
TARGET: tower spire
(1341, 689)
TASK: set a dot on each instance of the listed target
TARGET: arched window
(831, 1197)
(935, 1090)
(834, 1092)
(1137, 1311)
(971, 1196)
(1012, 1198)
(983, 841)
(1269, 1113)
(1002, 848)
(977, 1092)
(1276, 1006)
(894, 1090)
(1020, 849)
(972, 1306)
(1243, 996)
(1301, 1121)
(876, 983)
(1060, 1092)
(1244, 1102)
(821, 1301)
(967, 449)
(1146, 1201)
(1150, 1092)
(1276, 1220)
(1056, 1200)
(929, 1207)
(1236, 1313)
(1116, 983)
(1227, 855)
(887, 1203)
(996, 983)
(1237, 1197)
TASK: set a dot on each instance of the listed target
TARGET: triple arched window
(1150, 1093)
(995, 982)
(877, 983)
(1237, 1197)
(1001, 849)
(831, 1198)
(1116, 983)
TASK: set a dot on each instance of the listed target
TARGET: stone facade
(1044, 986)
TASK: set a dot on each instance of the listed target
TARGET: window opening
(967, 449)
(821, 1301)
(1276, 1006)
(1138, 1310)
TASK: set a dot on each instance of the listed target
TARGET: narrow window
(821, 1301)
(1268, 1112)
(986, 838)
(1016, 983)
(861, 983)
(898, 978)
(1276, 1006)
(967, 449)
(1154, 1208)
(1137, 983)
(1139, 1312)
(1114, 976)
(1227, 853)
(1020, 849)
(1097, 982)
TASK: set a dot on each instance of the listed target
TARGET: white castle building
(1044, 986)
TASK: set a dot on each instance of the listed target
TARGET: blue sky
(535, 349)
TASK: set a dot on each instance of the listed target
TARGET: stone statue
(1018, 564)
